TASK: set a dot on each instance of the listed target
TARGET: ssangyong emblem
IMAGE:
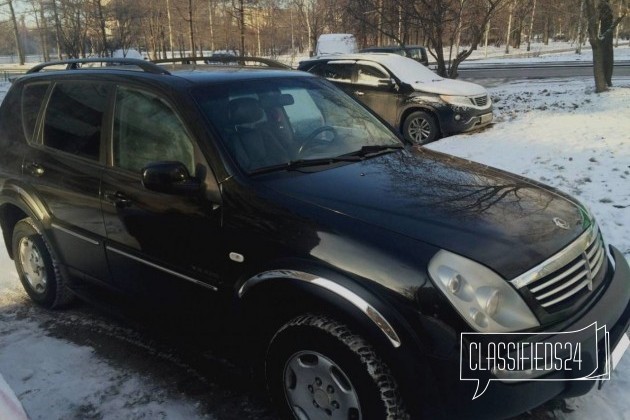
(562, 224)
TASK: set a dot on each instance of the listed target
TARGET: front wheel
(317, 368)
(37, 267)
(420, 127)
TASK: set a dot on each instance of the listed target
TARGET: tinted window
(416, 53)
(32, 97)
(147, 130)
(74, 117)
(369, 75)
(336, 72)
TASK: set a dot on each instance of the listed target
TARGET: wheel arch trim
(365, 307)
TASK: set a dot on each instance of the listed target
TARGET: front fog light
(458, 117)
(487, 302)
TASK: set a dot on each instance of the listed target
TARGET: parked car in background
(415, 52)
(336, 44)
(421, 105)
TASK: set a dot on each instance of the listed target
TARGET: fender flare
(13, 194)
(376, 318)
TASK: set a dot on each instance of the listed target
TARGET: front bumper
(455, 120)
(505, 399)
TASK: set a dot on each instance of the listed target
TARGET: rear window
(32, 98)
(74, 117)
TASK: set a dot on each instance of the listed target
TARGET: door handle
(118, 199)
(359, 93)
(34, 169)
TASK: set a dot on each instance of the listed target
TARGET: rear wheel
(37, 267)
(317, 368)
(420, 127)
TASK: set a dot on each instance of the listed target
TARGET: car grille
(569, 283)
(480, 100)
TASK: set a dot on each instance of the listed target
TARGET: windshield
(410, 71)
(274, 122)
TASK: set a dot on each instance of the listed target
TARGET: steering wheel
(313, 135)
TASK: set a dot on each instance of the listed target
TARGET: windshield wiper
(373, 150)
(303, 163)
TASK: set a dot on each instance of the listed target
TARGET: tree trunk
(242, 25)
(44, 36)
(598, 68)
(101, 21)
(578, 50)
(57, 28)
(606, 37)
(16, 33)
(170, 27)
(531, 27)
(509, 29)
(191, 31)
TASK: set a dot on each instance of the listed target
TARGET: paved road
(493, 74)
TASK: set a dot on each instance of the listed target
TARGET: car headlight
(457, 100)
(487, 302)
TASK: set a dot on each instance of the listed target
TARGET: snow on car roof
(406, 69)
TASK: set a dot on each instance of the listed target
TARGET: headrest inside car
(245, 111)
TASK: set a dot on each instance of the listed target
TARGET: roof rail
(75, 64)
(241, 61)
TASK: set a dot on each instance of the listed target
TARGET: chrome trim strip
(166, 270)
(598, 265)
(556, 279)
(567, 294)
(72, 233)
(375, 316)
(559, 260)
(563, 285)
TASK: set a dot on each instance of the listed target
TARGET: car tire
(37, 267)
(420, 127)
(317, 367)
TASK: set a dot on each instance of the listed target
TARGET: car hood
(449, 87)
(501, 220)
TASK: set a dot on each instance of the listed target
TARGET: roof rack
(75, 64)
(223, 59)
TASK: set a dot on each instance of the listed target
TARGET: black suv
(347, 261)
(417, 102)
(415, 52)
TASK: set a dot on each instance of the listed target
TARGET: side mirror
(170, 178)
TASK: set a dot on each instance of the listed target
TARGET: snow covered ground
(80, 364)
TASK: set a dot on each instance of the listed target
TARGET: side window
(368, 75)
(32, 98)
(74, 117)
(146, 130)
(335, 72)
(415, 53)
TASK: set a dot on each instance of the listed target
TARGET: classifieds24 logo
(551, 356)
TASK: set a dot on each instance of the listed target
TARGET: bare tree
(16, 32)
